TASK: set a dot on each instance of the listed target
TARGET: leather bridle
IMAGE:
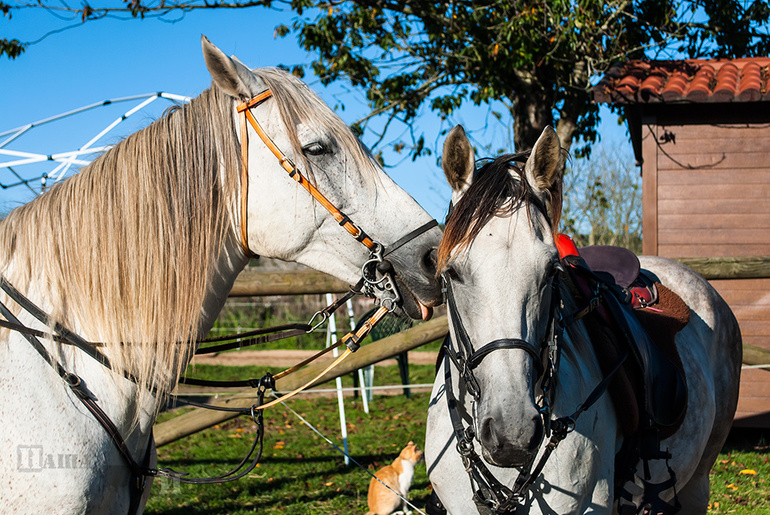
(489, 494)
(369, 283)
(377, 251)
(293, 172)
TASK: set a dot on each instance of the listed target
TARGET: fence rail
(256, 283)
(253, 283)
(199, 419)
(752, 267)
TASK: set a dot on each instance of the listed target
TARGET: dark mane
(494, 191)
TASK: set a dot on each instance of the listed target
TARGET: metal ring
(364, 275)
(324, 318)
(72, 380)
(389, 300)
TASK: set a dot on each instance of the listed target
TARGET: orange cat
(397, 476)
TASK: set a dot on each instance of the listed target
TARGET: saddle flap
(665, 389)
(660, 385)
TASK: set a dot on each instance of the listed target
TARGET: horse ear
(457, 159)
(230, 74)
(544, 171)
(545, 165)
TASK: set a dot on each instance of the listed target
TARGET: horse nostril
(487, 434)
(509, 449)
(429, 261)
(537, 435)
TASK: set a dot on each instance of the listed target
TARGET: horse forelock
(493, 192)
(124, 251)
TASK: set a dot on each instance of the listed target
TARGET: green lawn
(301, 473)
(740, 479)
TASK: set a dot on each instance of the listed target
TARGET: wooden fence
(254, 284)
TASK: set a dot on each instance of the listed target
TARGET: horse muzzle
(416, 281)
(508, 443)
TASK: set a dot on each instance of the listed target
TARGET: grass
(740, 478)
(301, 473)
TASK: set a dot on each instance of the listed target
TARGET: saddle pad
(663, 320)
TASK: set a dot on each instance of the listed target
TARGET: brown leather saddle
(637, 315)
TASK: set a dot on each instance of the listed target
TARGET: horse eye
(452, 274)
(315, 149)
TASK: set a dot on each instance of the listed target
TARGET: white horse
(139, 251)
(499, 258)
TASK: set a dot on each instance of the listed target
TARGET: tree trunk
(531, 114)
(533, 106)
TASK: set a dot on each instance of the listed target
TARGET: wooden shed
(700, 131)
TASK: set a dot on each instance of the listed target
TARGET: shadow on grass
(743, 439)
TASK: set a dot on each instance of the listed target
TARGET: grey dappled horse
(499, 258)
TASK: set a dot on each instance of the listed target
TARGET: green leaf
(12, 48)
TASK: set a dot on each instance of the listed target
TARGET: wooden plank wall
(713, 185)
(706, 191)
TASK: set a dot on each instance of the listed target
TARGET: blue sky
(110, 58)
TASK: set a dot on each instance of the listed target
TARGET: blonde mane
(124, 251)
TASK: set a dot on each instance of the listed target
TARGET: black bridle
(489, 494)
(488, 491)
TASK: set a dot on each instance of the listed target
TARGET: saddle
(636, 315)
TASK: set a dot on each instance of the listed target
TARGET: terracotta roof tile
(751, 83)
(689, 80)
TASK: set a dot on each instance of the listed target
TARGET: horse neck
(231, 261)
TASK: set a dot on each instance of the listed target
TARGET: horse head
(498, 258)
(291, 130)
